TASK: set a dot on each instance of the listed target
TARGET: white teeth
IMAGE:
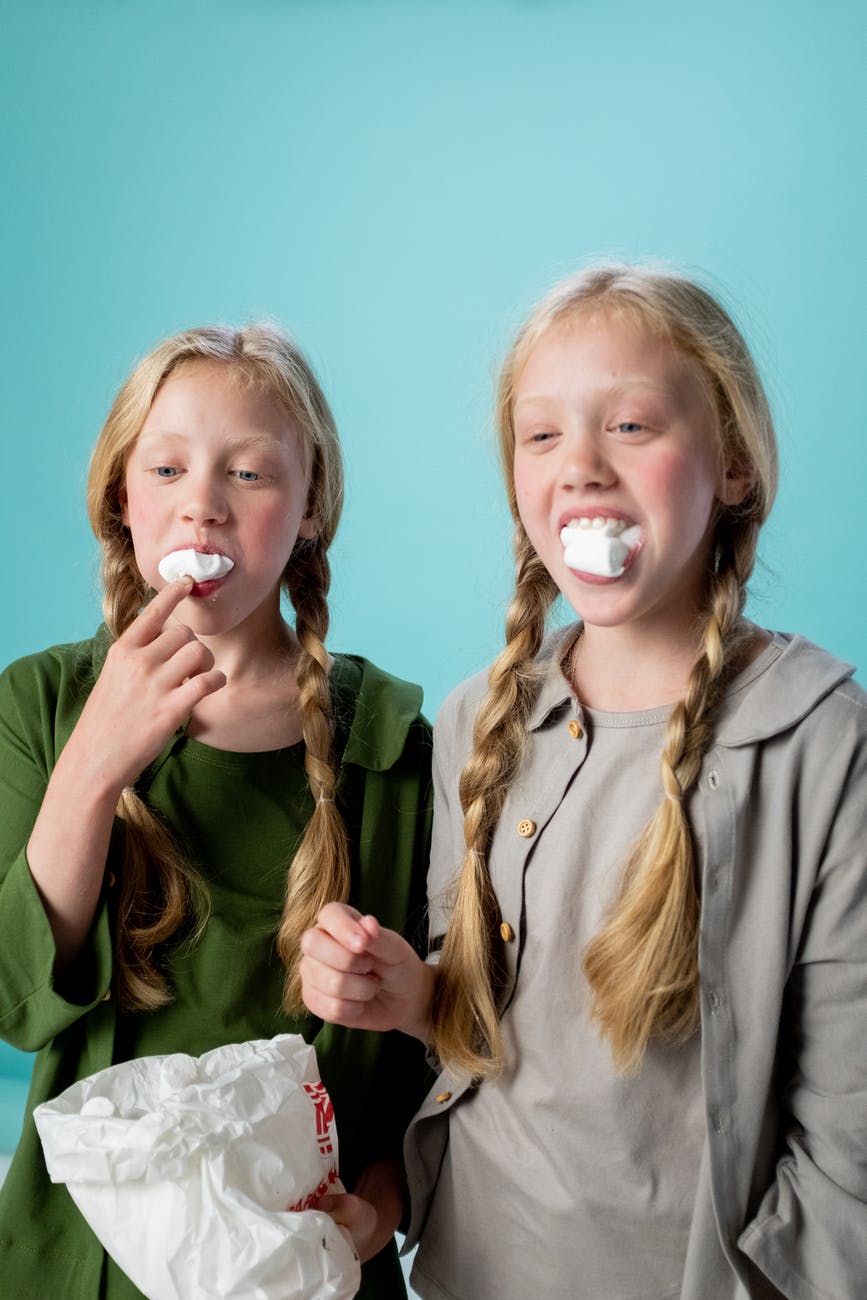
(606, 524)
(598, 545)
(200, 567)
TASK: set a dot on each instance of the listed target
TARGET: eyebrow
(245, 442)
(616, 390)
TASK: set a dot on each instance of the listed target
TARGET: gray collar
(781, 697)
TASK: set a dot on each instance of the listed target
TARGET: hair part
(161, 893)
(642, 967)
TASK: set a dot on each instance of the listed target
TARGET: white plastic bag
(185, 1168)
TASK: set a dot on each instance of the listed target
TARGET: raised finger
(152, 618)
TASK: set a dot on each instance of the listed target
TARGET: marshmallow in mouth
(200, 567)
(598, 545)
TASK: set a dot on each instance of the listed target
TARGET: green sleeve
(37, 713)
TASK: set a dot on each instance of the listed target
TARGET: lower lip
(201, 590)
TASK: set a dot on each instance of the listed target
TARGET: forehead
(606, 349)
(219, 399)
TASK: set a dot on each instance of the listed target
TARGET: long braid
(643, 965)
(320, 870)
(466, 1030)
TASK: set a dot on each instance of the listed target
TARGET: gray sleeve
(809, 1235)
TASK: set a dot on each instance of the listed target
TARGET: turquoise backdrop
(397, 181)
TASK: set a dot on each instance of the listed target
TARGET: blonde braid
(320, 870)
(643, 965)
(158, 892)
(466, 1031)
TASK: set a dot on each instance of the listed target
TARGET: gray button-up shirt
(779, 1198)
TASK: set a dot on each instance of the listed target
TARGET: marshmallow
(598, 546)
(199, 566)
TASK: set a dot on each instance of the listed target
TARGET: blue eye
(166, 471)
(629, 426)
(248, 475)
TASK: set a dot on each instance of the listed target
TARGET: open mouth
(199, 565)
(599, 544)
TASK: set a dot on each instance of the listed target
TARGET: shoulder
(379, 714)
(62, 672)
(457, 715)
(804, 689)
(42, 695)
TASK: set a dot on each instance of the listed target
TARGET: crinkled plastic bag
(186, 1167)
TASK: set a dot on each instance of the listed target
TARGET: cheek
(140, 517)
(276, 530)
(680, 487)
(528, 496)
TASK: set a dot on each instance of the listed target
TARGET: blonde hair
(160, 892)
(642, 966)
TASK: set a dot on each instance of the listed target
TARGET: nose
(204, 502)
(585, 463)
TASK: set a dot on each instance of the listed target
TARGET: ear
(309, 527)
(736, 484)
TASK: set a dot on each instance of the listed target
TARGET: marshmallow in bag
(185, 1167)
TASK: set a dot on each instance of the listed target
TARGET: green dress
(240, 818)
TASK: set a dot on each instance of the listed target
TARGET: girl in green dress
(181, 794)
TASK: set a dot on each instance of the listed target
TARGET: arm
(809, 1232)
(153, 677)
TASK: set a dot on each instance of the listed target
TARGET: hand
(372, 1212)
(153, 677)
(357, 1216)
(354, 973)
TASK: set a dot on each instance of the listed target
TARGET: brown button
(526, 828)
(506, 932)
(575, 730)
(444, 1096)
(106, 997)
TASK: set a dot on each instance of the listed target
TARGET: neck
(248, 654)
(625, 669)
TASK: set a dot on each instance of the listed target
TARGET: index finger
(153, 618)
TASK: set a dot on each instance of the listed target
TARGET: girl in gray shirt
(648, 972)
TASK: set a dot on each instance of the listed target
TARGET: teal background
(397, 182)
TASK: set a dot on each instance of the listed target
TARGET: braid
(125, 589)
(158, 891)
(643, 965)
(466, 1031)
(320, 869)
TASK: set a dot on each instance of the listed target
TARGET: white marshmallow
(200, 567)
(601, 549)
